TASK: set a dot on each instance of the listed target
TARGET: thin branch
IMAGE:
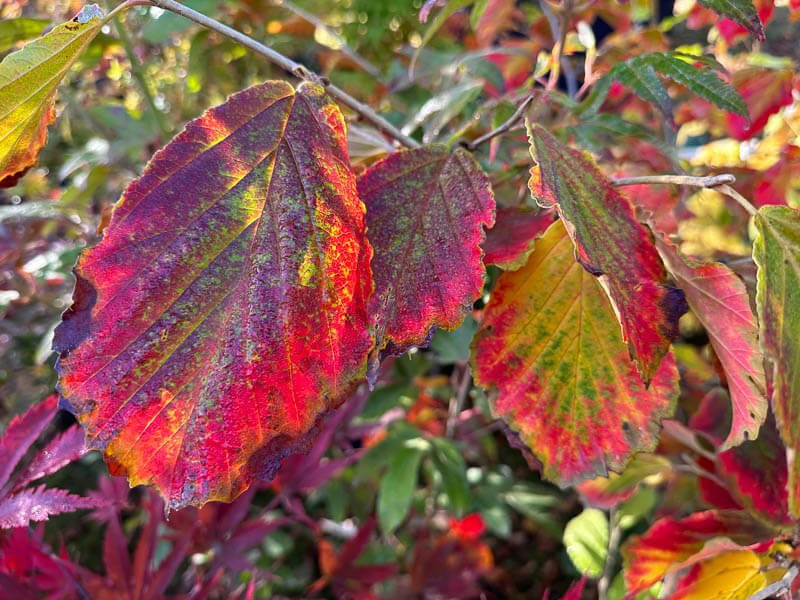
(362, 62)
(513, 120)
(743, 202)
(611, 557)
(457, 401)
(705, 182)
(141, 79)
(782, 586)
(124, 6)
(287, 64)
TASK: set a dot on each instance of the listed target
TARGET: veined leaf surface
(732, 575)
(776, 252)
(224, 312)
(612, 245)
(741, 11)
(551, 351)
(28, 82)
(426, 210)
(721, 303)
(510, 242)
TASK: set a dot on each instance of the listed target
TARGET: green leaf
(448, 461)
(385, 398)
(453, 346)
(477, 12)
(28, 82)
(642, 78)
(397, 487)
(638, 507)
(741, 11)
(494, 512)
(450, 9)
(586, 541)
(18, 30)
(776, 252)
(158, 30)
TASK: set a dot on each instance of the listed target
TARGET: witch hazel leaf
(510, 242)
(28, 82)
(733, 575)
(37, 504)
(776, 252)
(550, 351)
(719, 300)
(206, 344)
(671, 545)
(611, 245)
(426, 212)
(741, 11)
(21, 433)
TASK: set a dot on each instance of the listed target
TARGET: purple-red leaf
(550, 349)
(62, 450)
(719, 299)
(610, 244)
(21, 433)
(426, 209)
(511, 240)
(224, 313)
(37, 504)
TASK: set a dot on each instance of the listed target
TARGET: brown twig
(513, 120)
(706, 182)
(287, 64)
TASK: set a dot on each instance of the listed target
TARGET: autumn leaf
(741, 11)
(510, 242)
(765, 91)
(224, 312)
(776, 252)
(28, 82)
(671, 545)
(719, 300)
(729, 576)
(550, 349)
(611, 245)
(426, 210)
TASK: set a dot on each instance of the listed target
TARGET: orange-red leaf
(224, 312)
(426, 210)
(550, 349)
(612, 245)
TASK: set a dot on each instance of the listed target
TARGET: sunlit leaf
(586, 541)
(776, 252)
(606, 234)
(426, 210)
(206, 343)
(510, 242)
(729, 576)
(17, 30)
(765, 91)
(719, 300)
(741, 11)
(550, 349)
(28, 82)
(37, 504)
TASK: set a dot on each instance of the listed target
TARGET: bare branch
(706, 182)
(611, 557)
(287, 64)
(743, 202)
(513, 120)
(783, 585)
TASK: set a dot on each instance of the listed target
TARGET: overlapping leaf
(612, 245)
(28, 82)
(720, 301)
(224, 313)
(426, 209)
(510, 242)
(551, 350)
(732, 575)
(741, 11)
(674, 544)
(776, 251)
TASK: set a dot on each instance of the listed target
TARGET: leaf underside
(28, 82)
(550, 349)
(224, 312)
(426, 212)
(611, 244)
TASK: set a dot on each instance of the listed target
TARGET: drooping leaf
(28, 82)
(606, 234)
(702, 80)
(757, 472)
(719, 300)
(586, 541)
(733, 575)
(21, 433)
(37, 504)
(426, 209)
(741, 11)
(550, 349)
(206, 344)
(510, 242)
(673, 544)
(776, 252)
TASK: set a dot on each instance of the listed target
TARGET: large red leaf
(720, 301)
(224, 313)
(426, 209)
(765, 91)
(551, 349)
(673, 544)
(612, 245)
